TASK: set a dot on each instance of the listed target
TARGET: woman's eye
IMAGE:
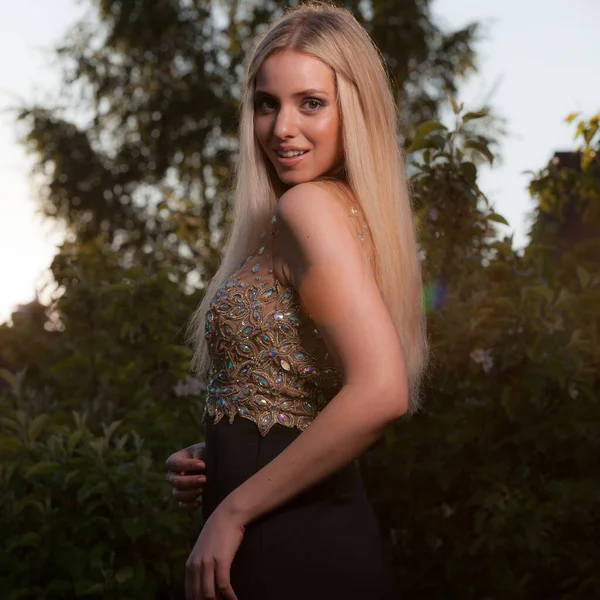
(313, 104)
(265, 104)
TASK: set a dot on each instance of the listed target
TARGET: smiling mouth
(290, 153)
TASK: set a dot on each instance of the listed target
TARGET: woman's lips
(290, 162)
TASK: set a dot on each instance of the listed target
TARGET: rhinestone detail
(267, 361)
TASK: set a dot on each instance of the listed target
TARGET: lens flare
(435, 295)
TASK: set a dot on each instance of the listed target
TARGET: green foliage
(99, 403)
(86, 428)
(452, 212)
(565, 234)
(84, 515)
(588, 131)
(490, 492)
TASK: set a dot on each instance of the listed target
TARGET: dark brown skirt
(324, 544)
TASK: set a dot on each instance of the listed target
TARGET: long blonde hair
(374, 169)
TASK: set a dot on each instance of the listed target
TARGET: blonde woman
(311, 334)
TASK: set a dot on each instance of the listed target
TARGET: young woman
(312, 331)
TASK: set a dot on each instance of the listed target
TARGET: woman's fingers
(178, 464)
(224, 582)
(188, 496)
(192, 581)
(186, 474)
(198, 451)
(207, 582)
(177, 456)
(186, 489)
(186, 482)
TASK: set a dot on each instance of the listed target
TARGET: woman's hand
(207, 570)
(185, 472)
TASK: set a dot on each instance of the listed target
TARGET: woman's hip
(235, 451)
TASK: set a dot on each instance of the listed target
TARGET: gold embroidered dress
(268, 362)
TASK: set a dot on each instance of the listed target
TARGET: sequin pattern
(268, 362)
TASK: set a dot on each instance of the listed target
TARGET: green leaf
(74, 439)
(59, 588)
(496, 218)
(425, 129)
(42, 468)
(121, 442)
(10, 444)
(482, 148)
(99, 446)
(164, 570)
(10, 471)
(37, 426)
(576, 339)
(93, 505)
(572, 117)
(425, 143)
(10, 424)
(541, 290)
(134, 529)
(71, 475)
(28, 540)
(584, 276)
(472, 116)
(470, 171)
(564, 296)
(95, 557)
(108, 431)
(171, 521)
(80, 417)
(590, 133)
(10, 379)
(587, 158)
(27, 593)
(124, 574)
(456, 108)
(89, 490)
(439, 141)
(85, 588)
(25, 502)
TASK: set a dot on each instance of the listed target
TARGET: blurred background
(117, 140)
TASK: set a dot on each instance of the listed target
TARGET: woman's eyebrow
(308, 92)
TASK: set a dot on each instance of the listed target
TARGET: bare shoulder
(310, 204)
(315, 232)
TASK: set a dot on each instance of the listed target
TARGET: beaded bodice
(268, 361)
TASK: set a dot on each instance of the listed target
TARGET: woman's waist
(236, 451)
(265, 410)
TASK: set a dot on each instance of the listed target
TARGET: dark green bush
(86, 515)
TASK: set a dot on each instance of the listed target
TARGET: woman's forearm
(345, 428)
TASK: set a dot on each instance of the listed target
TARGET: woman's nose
(285, 123)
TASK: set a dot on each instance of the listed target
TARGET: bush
(86, 515)
(88, 422)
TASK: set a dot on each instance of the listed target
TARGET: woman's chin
(291, 179)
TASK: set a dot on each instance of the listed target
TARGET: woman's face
(296, 117)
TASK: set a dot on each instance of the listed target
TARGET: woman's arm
(322, 259)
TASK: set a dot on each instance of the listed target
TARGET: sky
(537, 63)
